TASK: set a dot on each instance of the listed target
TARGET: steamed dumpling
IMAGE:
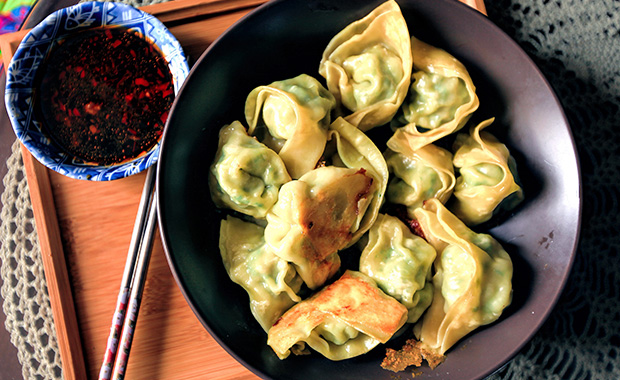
(472, 281)
(367, 66)
(345, 319)
(419, 175)
(487, 180)
(400, 262)
(296, 114)
(441, 99)
(246, 175)
(271, 283)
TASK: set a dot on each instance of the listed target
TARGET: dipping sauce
(105, 94)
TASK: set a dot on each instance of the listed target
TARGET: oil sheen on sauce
(105, 94)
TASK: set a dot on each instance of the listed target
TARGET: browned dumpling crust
(345, 319)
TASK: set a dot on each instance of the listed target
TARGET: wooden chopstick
(131, 266)
(144, 255)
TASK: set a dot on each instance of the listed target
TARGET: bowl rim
(538, 320)
(19, 93)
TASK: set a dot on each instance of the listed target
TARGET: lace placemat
(24, 291)
(577, 46)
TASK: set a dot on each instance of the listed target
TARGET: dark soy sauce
(105, 95)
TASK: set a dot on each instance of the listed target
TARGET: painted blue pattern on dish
(21, 73)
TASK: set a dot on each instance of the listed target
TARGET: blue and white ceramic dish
(32, 52)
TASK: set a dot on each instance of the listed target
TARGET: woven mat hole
(609, 367)
(29, 227)
(30, 348)
(16, 297)
(44, 339)
(35, 307)
(31, 292)
(13, 263)
(27, 259)
(39, 323)
(15, 195)
(51, 355)
(19, 175)
(14, 211)
(35, 364)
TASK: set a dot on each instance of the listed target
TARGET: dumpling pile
(340, 243)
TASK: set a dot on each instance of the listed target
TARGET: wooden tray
(84, 230)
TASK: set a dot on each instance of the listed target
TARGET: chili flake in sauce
(105, 94)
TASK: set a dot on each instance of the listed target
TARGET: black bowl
(285, 38)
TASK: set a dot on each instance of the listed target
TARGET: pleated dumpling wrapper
(400, 263)
(354, 149)
(343, 320)
(472, 280)
(315, 217)
(367, 66)
(271, 282)
(441, 99)
(246, 175)
(329, 208)
(487, 180)
(419, 175)
(291, 116)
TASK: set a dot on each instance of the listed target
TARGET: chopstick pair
(132, 284)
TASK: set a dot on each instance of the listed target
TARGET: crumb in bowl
(412, 353)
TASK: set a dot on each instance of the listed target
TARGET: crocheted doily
(576, 44)
(24, 291)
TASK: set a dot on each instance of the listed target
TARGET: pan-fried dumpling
(329, 208)
(441, 99)
(316, 216)
(356, 150)
(473, 279)
(488, 176)
(419, 174)
(271, 283)
(345, 319)
(367, 66)
(246, 175)
(295, 113)
(400, 263)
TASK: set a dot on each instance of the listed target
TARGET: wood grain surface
(84, 230)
